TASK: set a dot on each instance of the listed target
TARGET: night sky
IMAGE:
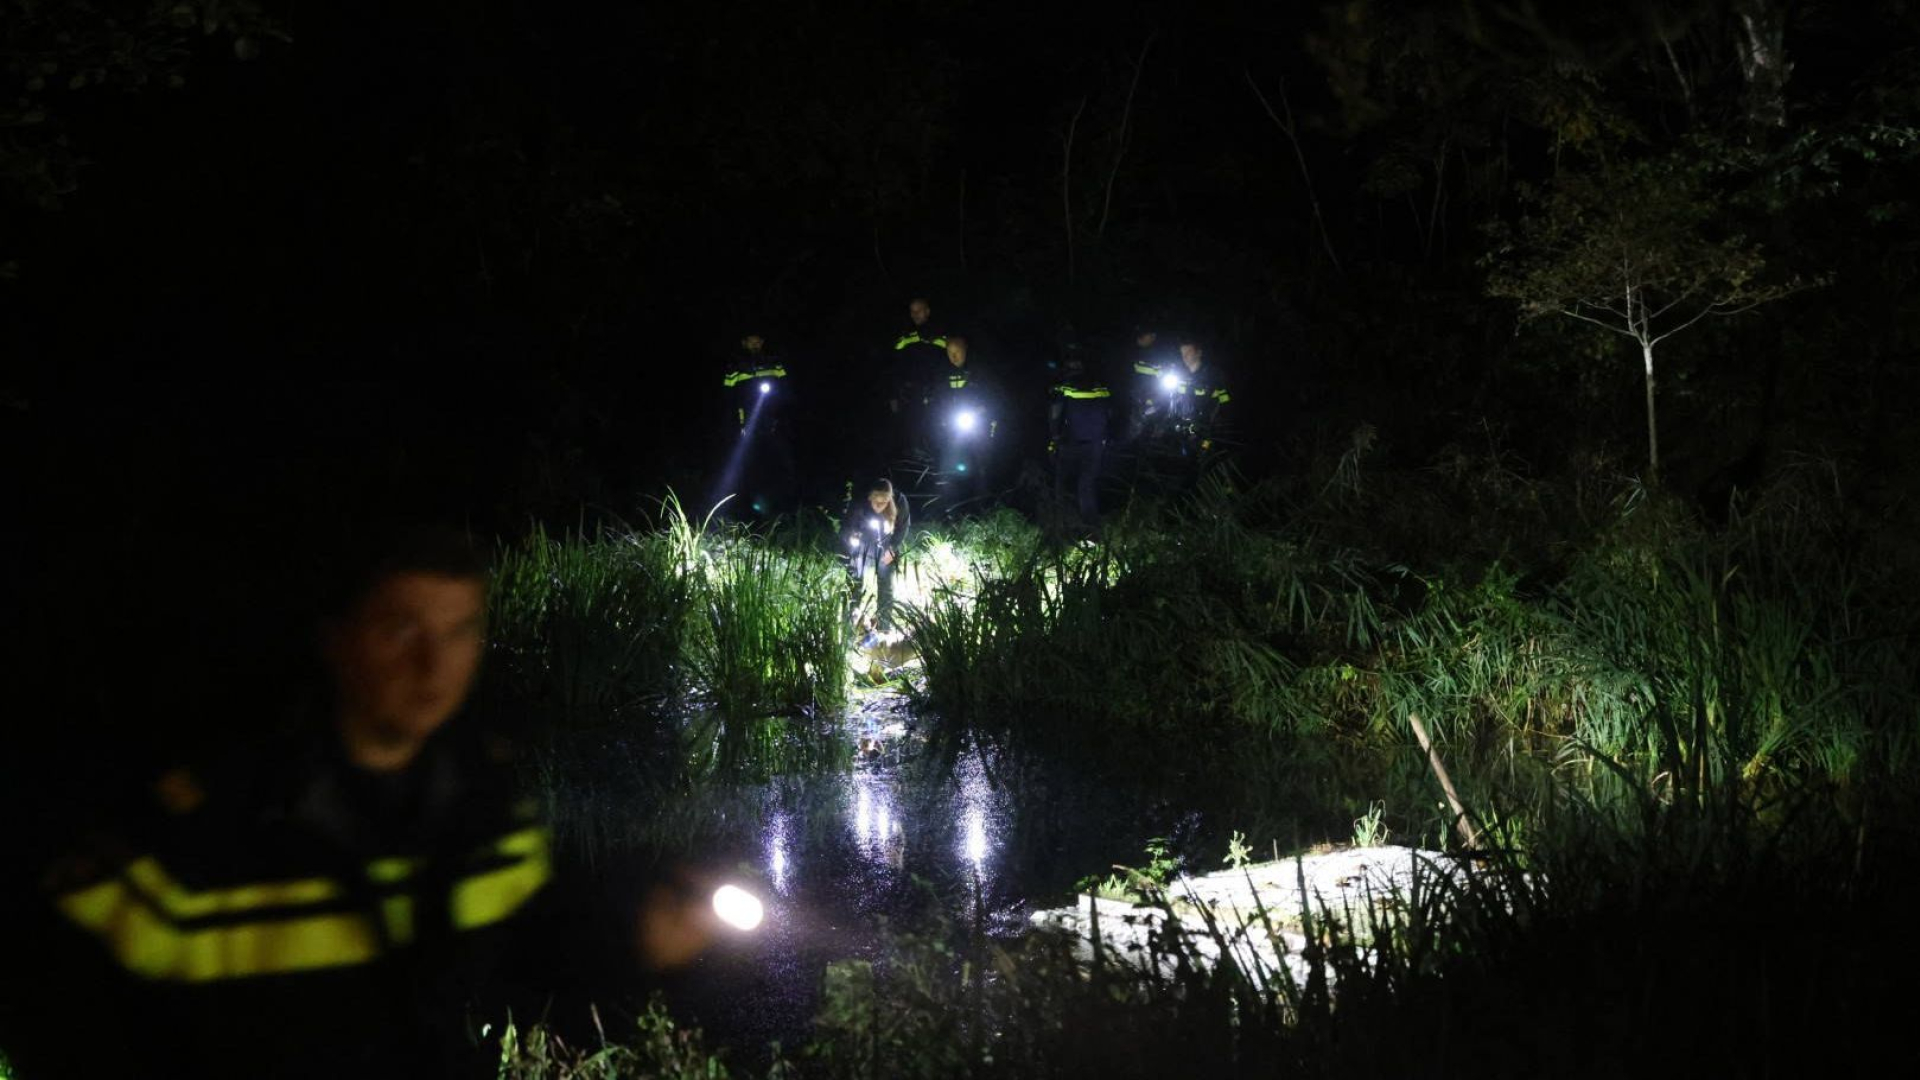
(483, 260)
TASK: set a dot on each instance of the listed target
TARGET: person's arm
(903, 523)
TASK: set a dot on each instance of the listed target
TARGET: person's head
(1191, 353)
(402, 643)
(1145, 338)
(957, 351)
(882, 500)
(753, 343)
(919, 310)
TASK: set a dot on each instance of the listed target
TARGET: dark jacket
(283, 913)
(861, 524)
(1078, 409)
(1193, 402)
(758, 384)
(915, 362)
(954, 390)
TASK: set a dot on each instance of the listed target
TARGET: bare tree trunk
(1762, 45)
(1653, 423)
(1126, 118)
(1066, 184)
(1300, 157)
(1680, 76)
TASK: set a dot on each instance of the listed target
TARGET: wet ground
(893, 843)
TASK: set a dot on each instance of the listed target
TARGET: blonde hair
(883, 486)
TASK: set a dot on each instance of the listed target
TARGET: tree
(1642, 249)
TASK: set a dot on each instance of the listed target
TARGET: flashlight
(1170, 382)
(966, 420)
(854, 541)
(766, 386)
(737, 907)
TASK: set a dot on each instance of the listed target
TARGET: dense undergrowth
(1685, 753)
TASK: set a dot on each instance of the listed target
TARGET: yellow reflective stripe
(178, 903)
(956, 382)
(388, 871)
(905, 340)
(1072, 392)
(151, 944)
(398, 913)
(148, 945)
(1140, 368)
(735, 378)
(528, 841)
(490, 897)
(1221, 396)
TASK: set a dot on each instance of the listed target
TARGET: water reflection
(981, 814)
(777, 852)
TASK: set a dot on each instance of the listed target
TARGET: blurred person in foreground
(341, 898)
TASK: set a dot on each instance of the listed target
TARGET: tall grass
(650, 661)
(1235, 632)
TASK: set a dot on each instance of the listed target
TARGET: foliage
(1643, 248)
(659, 1050)
(59, 55)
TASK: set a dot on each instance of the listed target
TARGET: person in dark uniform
(1077, 418)
(963, 414)
(760, 459)
(336, 900)
(1186, 420)
(915, 363)
(873, 534)
(1195, 396)
(1147, 362)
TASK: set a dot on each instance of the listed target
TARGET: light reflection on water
(777, 828)
(954, 829)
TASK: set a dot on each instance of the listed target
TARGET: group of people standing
(944, 420)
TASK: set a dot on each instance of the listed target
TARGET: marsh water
(892, 843)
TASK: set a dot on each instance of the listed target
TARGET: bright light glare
(854, 541)
(766, 387)
(1169, 381)
(966, 420)
(976, 837)
(738, 908)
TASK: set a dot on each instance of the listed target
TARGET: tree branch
(1571, 313)
(1299, 156)
(1066, 184)
(1126, 117)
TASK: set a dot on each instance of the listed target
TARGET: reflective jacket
(1192, 399)
(286, 914)
(919, 355)
(1078, 410)
(957, 392)
(757, 384)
